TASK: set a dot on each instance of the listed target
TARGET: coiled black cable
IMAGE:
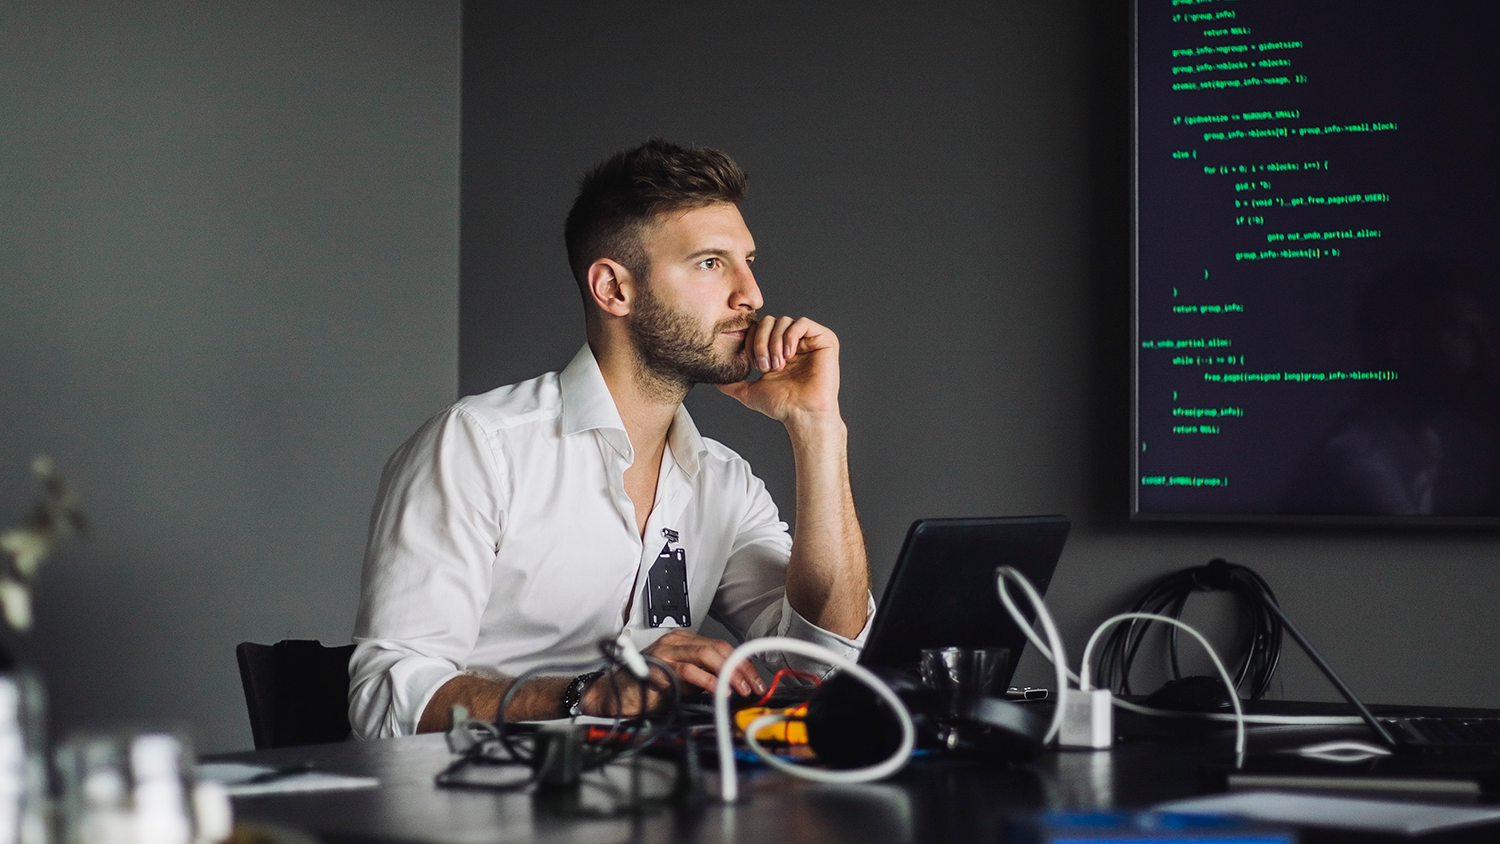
(1169, 595)
(494, 742)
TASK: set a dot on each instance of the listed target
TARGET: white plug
(1088, 719)
(631, 655)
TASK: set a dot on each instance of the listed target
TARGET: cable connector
(1088, 719)
(631, 656)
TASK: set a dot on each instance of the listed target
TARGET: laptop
(942, 594)
(1431, 755)
(942, 591)
(1433, 736)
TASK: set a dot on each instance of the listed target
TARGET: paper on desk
(1337, 812)
(236, 775)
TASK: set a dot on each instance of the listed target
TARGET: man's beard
(678, 353)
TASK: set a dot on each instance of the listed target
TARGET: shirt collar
(588, 406)
(685, 442)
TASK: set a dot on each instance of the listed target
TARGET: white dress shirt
(502, 539)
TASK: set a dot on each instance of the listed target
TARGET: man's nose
(746, 291)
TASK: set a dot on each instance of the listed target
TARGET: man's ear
(611, 287)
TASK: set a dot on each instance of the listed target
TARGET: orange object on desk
(791, 731)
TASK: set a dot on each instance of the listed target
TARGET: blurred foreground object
(24, 809)
(141, 788)
(56, 512)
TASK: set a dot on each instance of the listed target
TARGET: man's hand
(828, 575)
(696, 660)
(800, 359)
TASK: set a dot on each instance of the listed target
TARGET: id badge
(667, 590)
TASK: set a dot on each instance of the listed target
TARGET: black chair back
(297, 692)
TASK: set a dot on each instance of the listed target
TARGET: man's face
(699, 297)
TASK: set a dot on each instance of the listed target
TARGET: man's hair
(620, 198)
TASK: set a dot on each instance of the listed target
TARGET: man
(519, 527)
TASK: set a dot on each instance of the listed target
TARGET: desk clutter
(864, 723)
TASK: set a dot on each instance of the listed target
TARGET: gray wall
(228, 290)
(946, 186)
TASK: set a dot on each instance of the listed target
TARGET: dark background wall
(947, 187)
(228, 290)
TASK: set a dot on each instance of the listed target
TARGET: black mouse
(1192, 694)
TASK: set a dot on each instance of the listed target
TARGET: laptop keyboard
(1448, 732)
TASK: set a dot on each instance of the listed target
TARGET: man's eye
(708, 263)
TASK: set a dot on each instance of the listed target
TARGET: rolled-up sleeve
(751, 601)
(427, 573)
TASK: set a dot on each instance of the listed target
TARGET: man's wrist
(822, 428)
(573, 694)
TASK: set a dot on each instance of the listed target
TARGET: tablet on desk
(942, 592)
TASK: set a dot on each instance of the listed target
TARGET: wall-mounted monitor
(1317, 235)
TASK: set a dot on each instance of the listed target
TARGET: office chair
(297, 691)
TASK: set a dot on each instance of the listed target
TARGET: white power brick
(1088, 719)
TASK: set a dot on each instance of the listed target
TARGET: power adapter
(1088, 719)
(557, 757)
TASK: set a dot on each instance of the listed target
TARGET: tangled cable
(483, 742)
(1168, 596)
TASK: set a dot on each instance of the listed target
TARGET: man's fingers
(777, 345)
(698, 658)
(794, 334)
(747, 674)
(745, 683)
(701, 655)
(774, 341)
(767, 343)
(682, 646)
(809, 336)
(759, 339)
(693, 675)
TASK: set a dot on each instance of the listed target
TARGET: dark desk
(931, 800)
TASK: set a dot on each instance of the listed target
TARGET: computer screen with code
(1317, 216)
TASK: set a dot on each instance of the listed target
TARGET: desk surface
(931, 800)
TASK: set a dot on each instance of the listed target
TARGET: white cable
(1054, 654)
(1344, 751)
(1234, 698)
(1059, 660)
(730, 781)
(1026, 626)
(1269, 720)
(1036, 641)
(631, 656)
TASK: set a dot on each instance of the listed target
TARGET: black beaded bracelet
(572, 697)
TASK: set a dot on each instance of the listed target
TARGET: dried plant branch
(56, 513)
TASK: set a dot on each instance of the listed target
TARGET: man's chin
(727, 377)
(732, 372)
